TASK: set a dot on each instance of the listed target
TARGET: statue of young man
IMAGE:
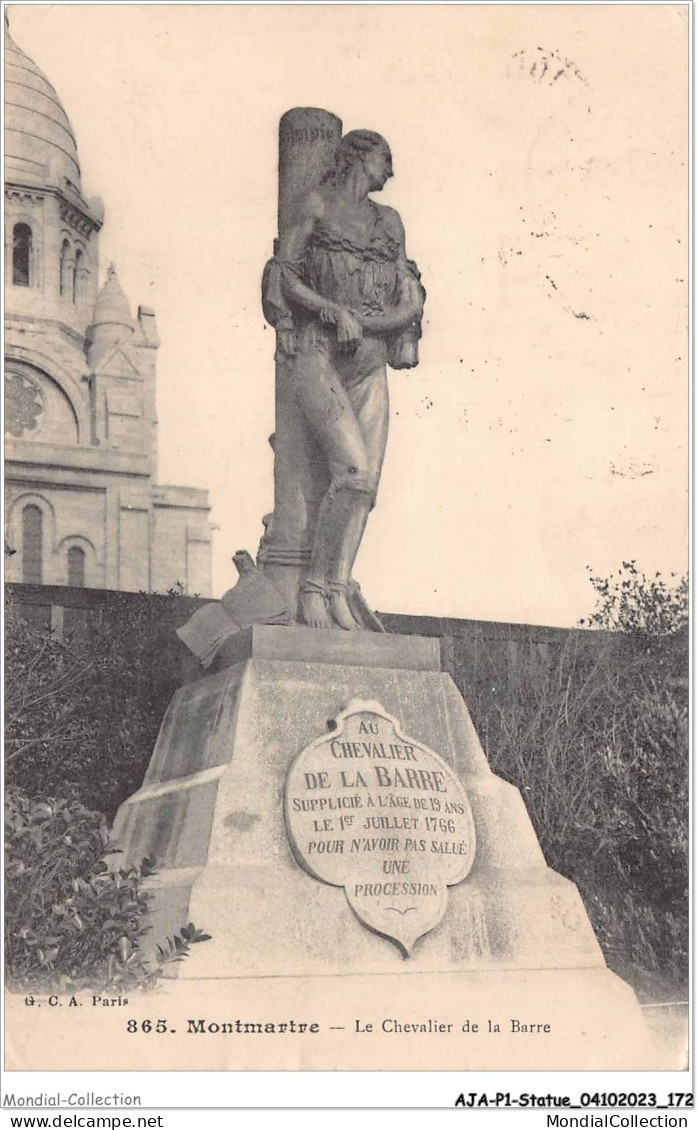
(356, 305)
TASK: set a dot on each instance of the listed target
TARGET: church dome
(39, 141)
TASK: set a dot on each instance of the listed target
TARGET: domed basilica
(82, 503)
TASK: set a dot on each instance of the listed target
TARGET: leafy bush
(649, 607)
(598, 746)
(83, 712)
(72, 922)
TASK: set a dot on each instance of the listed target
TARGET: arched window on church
(76, 567)
(21, 255)
(63, 282)
(77, 281)
(32, 547)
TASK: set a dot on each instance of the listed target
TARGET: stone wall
(483, 656)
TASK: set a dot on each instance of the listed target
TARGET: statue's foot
(313, 606)
(362, 613)
(340, 609)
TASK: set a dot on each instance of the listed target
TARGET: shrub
(598, 746)
(648, 607)
(83, 712)
(71, 921)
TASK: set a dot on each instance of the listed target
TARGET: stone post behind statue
(308, 138)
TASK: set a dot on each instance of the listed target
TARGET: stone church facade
(82, 503)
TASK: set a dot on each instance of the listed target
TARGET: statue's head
(365, 147)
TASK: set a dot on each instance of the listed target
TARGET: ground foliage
(82, 712)
(74, 919)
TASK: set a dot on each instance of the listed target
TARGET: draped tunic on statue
(360, 273)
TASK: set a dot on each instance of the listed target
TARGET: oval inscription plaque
(381, 815)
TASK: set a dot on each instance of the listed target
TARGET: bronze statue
(346, 302)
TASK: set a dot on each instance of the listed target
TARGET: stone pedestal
(211, 813)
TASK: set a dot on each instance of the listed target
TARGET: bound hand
(348, 330)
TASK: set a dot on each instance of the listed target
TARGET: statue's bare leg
(369, 401)
(355, 510)
(324, 593)
(313, 591)
(341, 420)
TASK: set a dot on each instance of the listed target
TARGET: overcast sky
(540, 161)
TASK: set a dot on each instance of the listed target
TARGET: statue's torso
(352, 258)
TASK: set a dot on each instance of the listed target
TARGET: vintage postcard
(298, 296)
